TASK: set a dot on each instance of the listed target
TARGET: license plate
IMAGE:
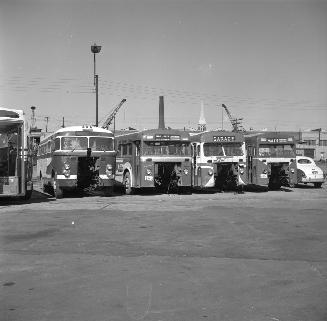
(264, 176)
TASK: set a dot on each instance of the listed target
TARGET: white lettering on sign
(148, 178)
(223, 138)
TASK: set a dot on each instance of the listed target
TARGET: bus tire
(317, 185)
(127, 183)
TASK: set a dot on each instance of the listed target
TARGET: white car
(308, 171)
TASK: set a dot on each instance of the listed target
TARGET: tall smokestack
(161, 113)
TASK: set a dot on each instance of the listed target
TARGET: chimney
(161, 113)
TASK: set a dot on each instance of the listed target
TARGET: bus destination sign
(277, 140)
(167, 137)
(223, 139)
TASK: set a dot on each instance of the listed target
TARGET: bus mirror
(88, 152)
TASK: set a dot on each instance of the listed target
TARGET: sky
(265, 60)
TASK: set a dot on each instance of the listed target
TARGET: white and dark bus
(15, 155)
(78, 158)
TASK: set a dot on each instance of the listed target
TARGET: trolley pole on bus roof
(96, 49)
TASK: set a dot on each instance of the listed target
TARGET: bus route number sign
(223, 138)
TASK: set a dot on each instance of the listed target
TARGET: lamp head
(95, 49)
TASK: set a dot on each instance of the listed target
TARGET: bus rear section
(15, 159)
(219, 161)
(271, 161)
(78, 160)
(157, 160)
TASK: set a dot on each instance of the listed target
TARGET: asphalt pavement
(224, 256)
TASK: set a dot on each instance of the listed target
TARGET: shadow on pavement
(37, 197)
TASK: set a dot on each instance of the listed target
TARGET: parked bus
(271, 160)
(15, 155)
(219, 160)
(158, 159)
(78, 158)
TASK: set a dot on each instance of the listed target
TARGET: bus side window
(198, 150)
(137, 148)
(52, 145)
(125, 149)
(57, 144)
(49, 147)
(129, 149)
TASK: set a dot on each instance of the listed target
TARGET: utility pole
(95, 49)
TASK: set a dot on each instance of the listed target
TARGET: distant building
(202, 125)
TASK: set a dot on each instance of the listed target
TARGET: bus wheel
(317, 185)
(127, 183)
(28, 195)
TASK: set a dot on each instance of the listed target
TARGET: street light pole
(96, 49)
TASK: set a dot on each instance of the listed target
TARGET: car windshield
(166, 148)
(101, 144)
(276, 151)
(304, 161)
(74, 143)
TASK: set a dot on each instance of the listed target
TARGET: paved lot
(256, 256)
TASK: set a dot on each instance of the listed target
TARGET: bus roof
(78, 130)
(11, 115)
(217, 136)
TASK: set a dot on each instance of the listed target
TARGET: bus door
(257, 173)
(194, 161)
(136, 164)
(249, 162)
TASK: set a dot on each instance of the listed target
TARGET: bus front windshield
(214, 149)
(101, 144)
(166, 148)
(74, 143)
(276, 151)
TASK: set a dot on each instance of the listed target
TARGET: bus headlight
(185, 171)
(210, 172)
(148, 171)
(109, 170)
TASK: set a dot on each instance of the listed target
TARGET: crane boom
(234, 121)
(112, 115)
